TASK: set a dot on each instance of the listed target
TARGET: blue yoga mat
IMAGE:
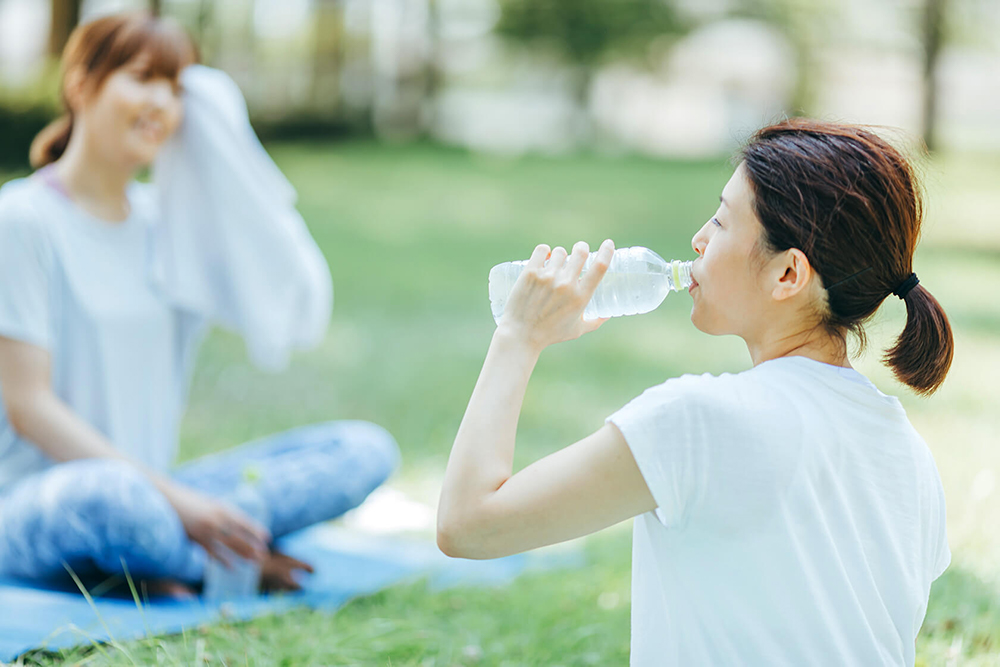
(347, 565)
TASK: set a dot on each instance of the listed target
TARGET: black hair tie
(907, 285)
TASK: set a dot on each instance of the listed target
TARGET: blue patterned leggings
(93, 513)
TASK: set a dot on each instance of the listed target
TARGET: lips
(151, 130)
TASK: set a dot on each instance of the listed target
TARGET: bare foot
(277, 572)
(169, 588)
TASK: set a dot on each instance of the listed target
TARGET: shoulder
(721, 410)
(697, 393)
(18, 198)
(20, 219)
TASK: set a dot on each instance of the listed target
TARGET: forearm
(482, 456)
(62, 435)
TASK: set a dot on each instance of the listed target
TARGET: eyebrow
(721, 199)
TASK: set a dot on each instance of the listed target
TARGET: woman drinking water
(785, 515)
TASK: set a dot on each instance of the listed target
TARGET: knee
(369, 446)
(123, 507)
(378, 445)
(98, 488)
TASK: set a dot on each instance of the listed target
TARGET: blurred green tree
(589, 32)
(65, 16)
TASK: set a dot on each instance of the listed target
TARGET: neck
(94, 182)
(816, 344)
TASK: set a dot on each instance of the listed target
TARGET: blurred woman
(788, 514)
(95, 358)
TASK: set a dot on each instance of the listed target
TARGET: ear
(792, 273)
(75, 88)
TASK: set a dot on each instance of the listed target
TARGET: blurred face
(730, 295)
(132, 114)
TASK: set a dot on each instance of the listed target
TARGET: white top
(800, 520)
(80, 288)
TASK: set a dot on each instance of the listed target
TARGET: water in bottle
(242, 577)
(637, 281)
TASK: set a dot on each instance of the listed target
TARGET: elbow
(449, 537)
(446, 542)
(19, 416)
(456, 539)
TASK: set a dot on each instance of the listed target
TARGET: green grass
(410, 234)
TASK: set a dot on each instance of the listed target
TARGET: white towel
(230, 243)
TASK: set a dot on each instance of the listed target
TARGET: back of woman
(800, 520)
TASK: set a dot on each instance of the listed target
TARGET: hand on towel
(208, 522)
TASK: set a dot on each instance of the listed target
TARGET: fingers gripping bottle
(242, 577)
(637, 281)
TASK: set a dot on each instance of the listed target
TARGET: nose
(699, 241)
(162, 94)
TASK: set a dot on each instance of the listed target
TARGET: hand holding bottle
(636, 282)
(547, 302)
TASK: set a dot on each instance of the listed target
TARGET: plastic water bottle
(242, 577)
(637, 281)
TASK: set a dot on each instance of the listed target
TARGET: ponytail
(51, 142)
(923, 352)
(852, 203)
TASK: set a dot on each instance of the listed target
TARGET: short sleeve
(25, 269)
(705, 446)
(665, 429)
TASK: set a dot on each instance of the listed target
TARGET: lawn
(410, 234)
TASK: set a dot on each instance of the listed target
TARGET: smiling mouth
(151, 130)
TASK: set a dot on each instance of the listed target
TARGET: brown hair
(102, 46)
(851, 203)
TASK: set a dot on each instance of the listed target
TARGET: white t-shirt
(79, 287)
(800, 520)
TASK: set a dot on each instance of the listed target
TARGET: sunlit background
(431, 139)
(670, 78)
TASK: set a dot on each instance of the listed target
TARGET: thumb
(593, 325)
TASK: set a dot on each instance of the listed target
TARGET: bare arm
(38, 415)
(485, 511)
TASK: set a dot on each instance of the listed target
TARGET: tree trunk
(203, 21)
(933, 19)
(65, 17)
(328, 56)
(433, 79)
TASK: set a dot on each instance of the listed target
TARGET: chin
(141, 159)
(142, 153)
(698, 320)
